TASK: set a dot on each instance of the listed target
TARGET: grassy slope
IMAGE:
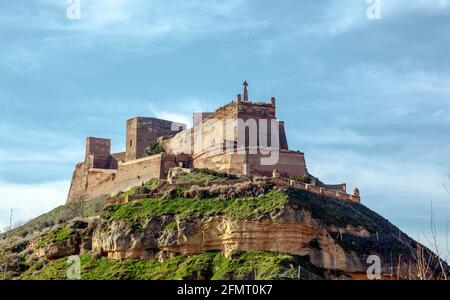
(239, 208)
(208, 265)
(203, 176)
(59, 215)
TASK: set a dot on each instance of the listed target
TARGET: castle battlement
(208, 144)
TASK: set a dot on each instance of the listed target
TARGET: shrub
(154, 148)
(304, 178)
(143, 190)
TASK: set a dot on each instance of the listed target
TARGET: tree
(154, 148)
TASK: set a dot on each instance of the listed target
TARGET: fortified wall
(238, 138)
(103, 173)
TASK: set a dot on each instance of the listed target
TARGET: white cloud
(181, 113)
(379, 173)
(126, 25)
(135, 18)
(59, 147)
(347, 15)
(399, 7)
(394, 80)
(338, 17)
(30, 200)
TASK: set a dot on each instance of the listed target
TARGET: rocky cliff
(259, 231)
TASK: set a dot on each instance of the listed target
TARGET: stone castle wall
(141, 132)
(213, 143)
(98, 153)
(91, 183)
(289, 164)
(230, 162)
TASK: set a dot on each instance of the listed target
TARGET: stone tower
(141, 132)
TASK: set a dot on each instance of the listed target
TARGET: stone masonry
(220, 140)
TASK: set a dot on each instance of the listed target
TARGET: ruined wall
(227, 111)
(232, 163)
(79, 183)
(141, 132)
(90, 183)
(198, 117)
(289, 164)
(98, 153)
(257, 110)
(142, 170)
(116, 158)
(206, 136)
(337, 187)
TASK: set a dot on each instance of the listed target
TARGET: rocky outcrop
(328, 235)
(291, 231)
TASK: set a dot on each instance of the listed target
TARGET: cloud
(340, 17)
(124, 25)
(27, 146)
(181, 111)
(139, 19)
(400, 7)
(394, 80)
(30, 200)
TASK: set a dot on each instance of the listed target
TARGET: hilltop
(208, 225)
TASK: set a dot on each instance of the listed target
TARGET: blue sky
(367, 101)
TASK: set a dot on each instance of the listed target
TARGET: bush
(154, 148)
(305, 178)
(143, 190)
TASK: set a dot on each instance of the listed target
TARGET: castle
(243, 138)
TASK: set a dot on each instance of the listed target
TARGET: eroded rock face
(79, 242)
(55, 251)
(339, 241)
(326, 235)
(288, 231)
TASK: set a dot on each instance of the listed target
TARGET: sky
(367, 100)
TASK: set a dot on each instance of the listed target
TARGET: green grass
(203, 176)
(171, 225)
(238, 209)
(59, 215)
(148, 187)
(336, 212)
(59, 236)
(254, 265)
(208, 265)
